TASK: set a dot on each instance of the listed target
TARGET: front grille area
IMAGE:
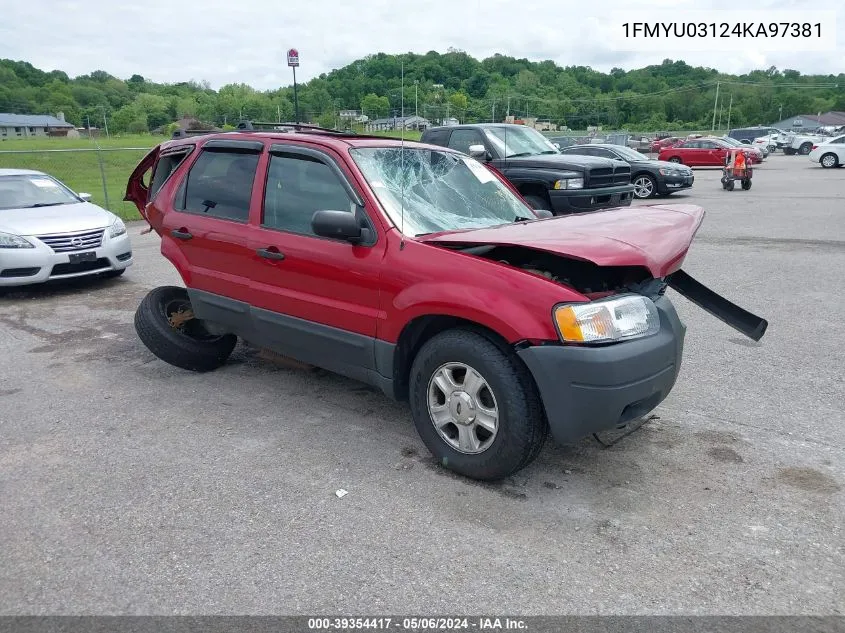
(81, 267)
(19, 272)
(609, 176)
(68, 242)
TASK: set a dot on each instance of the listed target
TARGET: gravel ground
(132, 487)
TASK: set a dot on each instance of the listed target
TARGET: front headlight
(607, 320)
(569, 183)
(8, 240)
(117, 229)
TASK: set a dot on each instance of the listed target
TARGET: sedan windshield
(428, 191)
(516, 140)
(28, 191)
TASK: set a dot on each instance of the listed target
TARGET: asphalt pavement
(128, 486)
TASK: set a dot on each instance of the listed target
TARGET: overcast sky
(245, 41)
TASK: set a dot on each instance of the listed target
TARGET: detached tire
(179, 341)
(476, 406)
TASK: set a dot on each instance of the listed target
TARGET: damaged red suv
(418, 270)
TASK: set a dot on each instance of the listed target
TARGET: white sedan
(830, 153)
(48, 232)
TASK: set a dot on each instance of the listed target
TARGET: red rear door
(206, 229)
(137, 189)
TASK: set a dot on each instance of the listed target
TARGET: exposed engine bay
(585, 277)
(594, 282)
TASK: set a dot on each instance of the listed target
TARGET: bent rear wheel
(165, 323)
(475, 406)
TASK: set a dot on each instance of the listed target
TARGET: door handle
(270, 254)
(182, 234)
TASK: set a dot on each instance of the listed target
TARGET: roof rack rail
(263, 126)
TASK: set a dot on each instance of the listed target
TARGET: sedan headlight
(117, 229)
(569, 183)
(8, 240)
(607, 320)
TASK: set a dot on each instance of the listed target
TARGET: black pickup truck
(545, 177)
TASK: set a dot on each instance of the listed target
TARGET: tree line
(666, 96)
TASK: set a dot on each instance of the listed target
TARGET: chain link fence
(101, 172)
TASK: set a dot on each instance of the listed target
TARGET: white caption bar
(677, 31)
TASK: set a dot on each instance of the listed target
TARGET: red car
(659, 144)
(422, 272)
(704, 152)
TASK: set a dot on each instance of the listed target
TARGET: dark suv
(543, 176)
(418, 270)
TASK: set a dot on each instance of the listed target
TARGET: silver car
(48, 232)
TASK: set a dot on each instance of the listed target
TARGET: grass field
(76, 162)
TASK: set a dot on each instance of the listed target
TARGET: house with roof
(26, 125)
(398, 123)
(810, 122)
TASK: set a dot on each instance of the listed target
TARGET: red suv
(418, 270)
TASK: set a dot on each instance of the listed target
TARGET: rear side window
(164, 168)
(436, 137)
(219, 185)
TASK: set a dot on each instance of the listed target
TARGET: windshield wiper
(520, 154)
(44, 204)
(519, 218)
(550, 151)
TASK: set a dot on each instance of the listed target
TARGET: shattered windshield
(517, 140)
(428, 191)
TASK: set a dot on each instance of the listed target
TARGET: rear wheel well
(418, 331)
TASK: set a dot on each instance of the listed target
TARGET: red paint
(378, 290)
(704, 157)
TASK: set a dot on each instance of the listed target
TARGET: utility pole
(730, 103)
(780, 113)
(493, 119)
(509, 106)
(715, 105)
(721, 109)
(416, 86)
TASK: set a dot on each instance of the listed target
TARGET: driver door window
(462, 139)
(297, 186)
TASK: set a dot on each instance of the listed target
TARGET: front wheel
(674, 159)
(746, 184)
(644, 186)
(165, 323)
(538, 202)
(475, 406)
(829, 160)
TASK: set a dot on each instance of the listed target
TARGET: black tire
(746, 184)
(805, 149)
(772, 149)
(675, 159)
(538, 202)
(830, 158)
(522, 428)
(111, 274)
(644, 183)
(190, 346)
(788, 151)
(729, 185)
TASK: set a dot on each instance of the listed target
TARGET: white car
(48, 232)
(830, 153)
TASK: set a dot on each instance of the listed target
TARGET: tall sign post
(293, 62)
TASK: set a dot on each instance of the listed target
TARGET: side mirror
(85, 197)
(337, 224)
(543, 213)
(478, 152)
(557, 145)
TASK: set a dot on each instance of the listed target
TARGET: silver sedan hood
(63, 218)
